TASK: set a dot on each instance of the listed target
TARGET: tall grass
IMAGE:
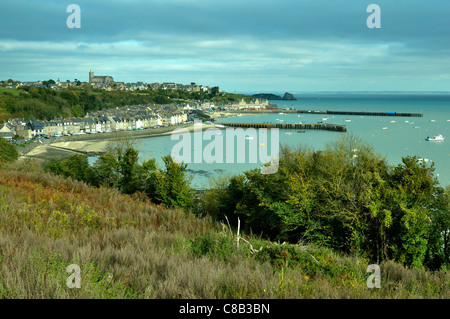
(128, 247)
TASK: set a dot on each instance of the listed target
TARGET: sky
(239, 45)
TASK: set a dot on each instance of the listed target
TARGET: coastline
(93, 144)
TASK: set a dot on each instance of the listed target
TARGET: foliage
(8, 152)
(127, 247)
(47, 103)
(345, 197)
(120, 168)
(173, 185)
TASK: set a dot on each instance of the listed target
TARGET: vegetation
(47, 103)
(8, 153)
(120, 168)
(127, 247)
(346, 198)
(138, 231)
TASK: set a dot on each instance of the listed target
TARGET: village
(128, 118)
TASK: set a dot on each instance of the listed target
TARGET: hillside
(128, 247)
(48, 104)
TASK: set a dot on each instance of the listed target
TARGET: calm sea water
(404, 137)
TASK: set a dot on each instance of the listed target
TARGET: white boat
(432, 120)
(392, 121)
(249, 137)
(348, 120)
(385, 128)
(325, 118)
(289, 133)
(436, 138)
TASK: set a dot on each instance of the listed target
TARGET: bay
(405, 136)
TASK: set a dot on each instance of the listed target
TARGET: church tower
(91, 76)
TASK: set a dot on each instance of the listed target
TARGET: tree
(173, 185)
(128, 167)
(105, 171)
(8, 152)
(348, 198)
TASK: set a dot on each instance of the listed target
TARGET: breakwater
(291, 126)
(362, 113)
(326, 112)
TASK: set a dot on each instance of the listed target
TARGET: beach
(92, 144)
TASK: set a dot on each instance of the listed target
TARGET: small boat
(385, 128)
(289, 133)
(416, 126)
(436, 138)
(301, 131)
(406, 121)
(262, 144)
(348, 120)
(325, 119)
(392, 121)
(432, 120)
(249, 137)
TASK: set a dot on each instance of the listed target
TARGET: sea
(391, 137)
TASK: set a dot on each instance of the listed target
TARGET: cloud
(231, 43)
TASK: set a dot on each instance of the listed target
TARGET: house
(116, 123)
(54, 128)
(89, 126)
(6, 132)
(78, 125)
(37, 127)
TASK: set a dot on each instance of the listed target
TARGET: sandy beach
(93, 144)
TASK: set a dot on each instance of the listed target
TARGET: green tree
(128, 168)
(8, 152)
(173, 185)
(105, 171)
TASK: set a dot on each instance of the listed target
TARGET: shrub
(8, 152)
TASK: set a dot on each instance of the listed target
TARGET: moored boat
(435, 138)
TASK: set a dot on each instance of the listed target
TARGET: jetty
(362, 113)
(291, 126)
(327, 112)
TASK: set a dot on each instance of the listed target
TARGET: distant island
(270, 96)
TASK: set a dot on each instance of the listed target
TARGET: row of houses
(193, 87)
(92, 124)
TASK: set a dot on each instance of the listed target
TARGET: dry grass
(127, 247)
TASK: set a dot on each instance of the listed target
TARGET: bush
(8, 152)
(345, 197)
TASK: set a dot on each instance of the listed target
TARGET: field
(126, 247)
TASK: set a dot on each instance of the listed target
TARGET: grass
(127, 247)
(12, 91)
